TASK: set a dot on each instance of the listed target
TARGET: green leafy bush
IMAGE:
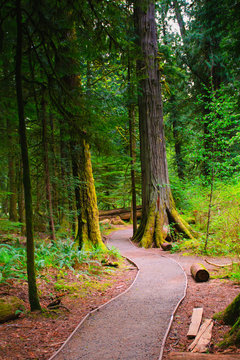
(61, 254)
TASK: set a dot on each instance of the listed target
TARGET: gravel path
(133, 326)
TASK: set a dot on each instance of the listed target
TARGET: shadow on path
(133, 326)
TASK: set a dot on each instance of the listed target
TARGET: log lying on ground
(124, 213)
(195, 323)
(10, 308)
(203, 337)
(199, 272)
(221, 265)
(195, 356)
(166, 246)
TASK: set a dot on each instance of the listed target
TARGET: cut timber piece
(199, 272)
(166, 246)
(202, 345)
(194, 356)
(195, 322)
(208, 323)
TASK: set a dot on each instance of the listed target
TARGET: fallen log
(124, 213)
(199, 272)
(195, 322)
(221, 265)
(10, 308)
(166, 246)
(195, 356)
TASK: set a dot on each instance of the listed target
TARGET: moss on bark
(231, 316)
(89, 235)
(152, 230)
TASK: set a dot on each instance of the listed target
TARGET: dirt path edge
(175, 310)
(97, 309)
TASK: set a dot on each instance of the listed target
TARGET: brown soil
(39, 335)
(213, 296)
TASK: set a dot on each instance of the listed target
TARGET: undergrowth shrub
(225, 218)
(61, 254)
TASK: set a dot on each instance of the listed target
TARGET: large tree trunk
(88, 235)
(158, 208)
(32, 287)
(231, 316)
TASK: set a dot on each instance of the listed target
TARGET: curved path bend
(132, 326)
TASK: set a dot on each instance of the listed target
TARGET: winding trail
(132, 326)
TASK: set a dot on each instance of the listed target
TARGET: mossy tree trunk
(231, 316)
(32, 287)
(88, 234)
(158, 208)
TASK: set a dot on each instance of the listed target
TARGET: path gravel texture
(132, 326)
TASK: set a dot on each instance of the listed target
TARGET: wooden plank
(195, 356)
(195, 322)
(202, 345)
(203, 328)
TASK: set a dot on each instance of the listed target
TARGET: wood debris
(195, 322)
(203, 337)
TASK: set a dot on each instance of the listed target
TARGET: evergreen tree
(158, 208)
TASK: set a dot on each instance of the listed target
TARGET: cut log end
(166, 246)
(199, 273)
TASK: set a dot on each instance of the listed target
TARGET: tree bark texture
(132, 143)
(12, 174)
(231, 316)
(88, 235)
(158, 208)
(32, 287)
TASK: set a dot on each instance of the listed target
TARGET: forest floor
(213, 296)
(39, 335)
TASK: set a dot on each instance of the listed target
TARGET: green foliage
(9, 227)
(218, 144)
(61, 254)
(112, 181)
(225, 226)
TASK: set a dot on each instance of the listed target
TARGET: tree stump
(199, 272)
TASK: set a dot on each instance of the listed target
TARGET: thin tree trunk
(32, 286)
(209, 209)
(54, 152)
(46, 167)
(75, 171)
(158, 208)
(132, 137)
(12, 174)
(177, 144)
(179, 18)
(20, 194)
